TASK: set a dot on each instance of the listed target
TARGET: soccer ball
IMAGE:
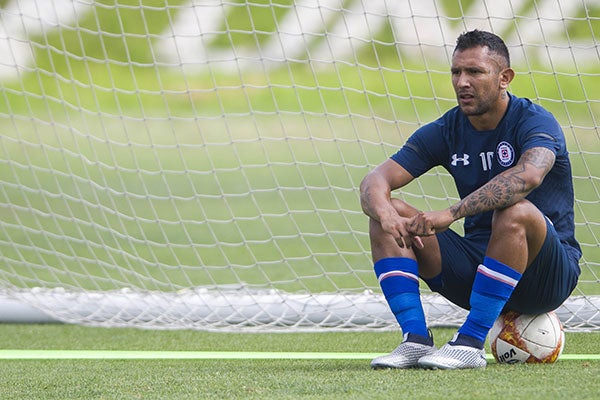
(522, 338)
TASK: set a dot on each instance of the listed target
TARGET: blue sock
(493, 285)
(399, 281)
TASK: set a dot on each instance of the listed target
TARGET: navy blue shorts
(544, 286)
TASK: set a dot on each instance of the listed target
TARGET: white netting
(153, 154)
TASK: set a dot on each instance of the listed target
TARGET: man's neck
(491, 119)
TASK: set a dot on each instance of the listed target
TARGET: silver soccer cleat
(406, 355)
(454, 357)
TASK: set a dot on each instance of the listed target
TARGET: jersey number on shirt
(486, 159)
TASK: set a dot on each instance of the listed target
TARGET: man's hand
(398, 227)
(429, 223)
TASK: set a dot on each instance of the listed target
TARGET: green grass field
(270, 379)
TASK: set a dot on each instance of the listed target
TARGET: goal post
(195, 163)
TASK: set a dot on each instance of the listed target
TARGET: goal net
(195, 164)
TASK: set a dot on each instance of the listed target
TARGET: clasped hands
(408, 232)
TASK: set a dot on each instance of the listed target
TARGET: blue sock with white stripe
(399, 281)
(493, 285)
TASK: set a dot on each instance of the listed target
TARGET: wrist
(455, 211)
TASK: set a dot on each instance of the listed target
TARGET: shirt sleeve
(422, 151)
(542, 130)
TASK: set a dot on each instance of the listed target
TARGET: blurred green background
(122, 167)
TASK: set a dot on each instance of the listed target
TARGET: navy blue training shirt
(474, 157)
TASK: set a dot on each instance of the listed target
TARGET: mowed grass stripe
(207, 355)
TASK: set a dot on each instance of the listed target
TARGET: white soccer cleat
(406, 355)
(454, 357)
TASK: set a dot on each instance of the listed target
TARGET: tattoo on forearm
(365, 201)
(497, 193)
(506, 188)
(364, 198)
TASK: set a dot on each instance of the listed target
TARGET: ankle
(460, 339)
(416, 338)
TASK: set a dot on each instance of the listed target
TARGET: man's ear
(506, 77)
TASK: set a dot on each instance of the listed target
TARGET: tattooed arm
(376, 188)
(509, 187)
(375, 199)
(505, 189)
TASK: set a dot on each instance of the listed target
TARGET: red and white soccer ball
(521, 338)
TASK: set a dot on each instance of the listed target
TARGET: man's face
(476, 77)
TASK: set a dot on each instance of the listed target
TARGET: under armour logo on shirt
(456, 159)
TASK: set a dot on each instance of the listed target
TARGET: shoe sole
(384, 366)
(434, 366)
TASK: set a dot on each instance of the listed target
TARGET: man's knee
(520, 216)
(403, 208)
(518, 233)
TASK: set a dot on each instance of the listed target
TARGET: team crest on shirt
(506, 154)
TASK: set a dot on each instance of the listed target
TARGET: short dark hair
(476, 38)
